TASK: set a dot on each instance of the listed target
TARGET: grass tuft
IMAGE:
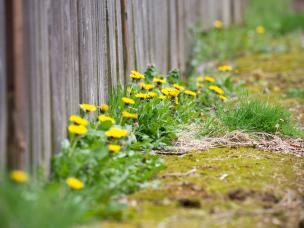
(258, 116)
(294, 92)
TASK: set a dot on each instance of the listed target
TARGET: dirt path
(235, 186)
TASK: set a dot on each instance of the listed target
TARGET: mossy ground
(232, 187)
(226, 187)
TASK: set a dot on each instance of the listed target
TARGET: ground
(232, 186)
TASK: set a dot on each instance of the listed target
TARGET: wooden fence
(55, 54)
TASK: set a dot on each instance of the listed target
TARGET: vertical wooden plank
(180, 34)
(146, 33)
(56, 54)
(131, 37)
(161, 32)
(119, 43)
(19, 129)
(71, 56)
(3, 101)
(125, 38)
(44, 86)
(226, 7)
(138, 33)
(112, 42)
(173, 62)
(88, 81)
(237, 9)
(103, 68)
(34, 79)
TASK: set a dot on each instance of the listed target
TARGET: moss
(258, 173)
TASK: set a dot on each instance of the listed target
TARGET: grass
(294, 92)
(258, 116)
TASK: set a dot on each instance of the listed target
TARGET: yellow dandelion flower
(224, 68)
(114, 148)
(104, 108)
(128, 101)
(116, 133)
(179, 87)
(77, 129)
(129, 115)
(260, 29)
(74, 183)
(104, 118)
(216, 89)
(78, 120)
(146, 86)
(223, 98)
(218, 24)
(152, 94)
(190, 93)
(142, 95)
(200, 79)
(19, 176)
(159, 80)
(88, 107)
(136, 75)
(162, 97)
(170, 92)
(209, 78)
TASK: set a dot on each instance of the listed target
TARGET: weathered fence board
(3, 104)
(67, 52)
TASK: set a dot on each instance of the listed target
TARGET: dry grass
(187, 141)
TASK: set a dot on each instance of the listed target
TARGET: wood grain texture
(3, 101)
(102, 55)
(77, 50)
(57, 76)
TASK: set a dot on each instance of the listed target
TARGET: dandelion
(114, 148)
(159, 80)
(179, 87)
(74, 183)
(223, 98)
(128, 101)
(142, 95)
(218, 24)
(216, 89)
(224, 68)
(77, 129)
(19, 176)
(170, 92)
(104, 108)
(146, 86)
(152, 94)
(88, 107)
(190, 93)
(129, 115)
(162, 97)
(104, 118)
(209, 78)
(116, 133)
(136, 75)
(78, 120)
(260, 29)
